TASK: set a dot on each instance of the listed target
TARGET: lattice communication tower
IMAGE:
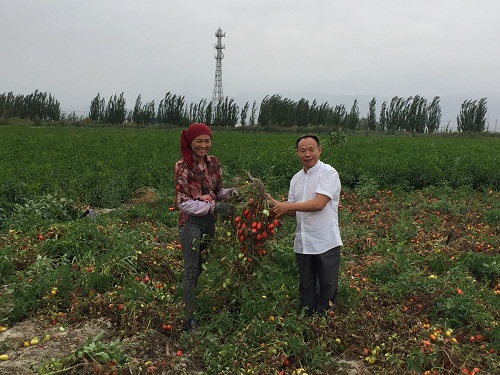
(218, 95)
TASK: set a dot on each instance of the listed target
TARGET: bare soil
(151, 353)
(141, 350)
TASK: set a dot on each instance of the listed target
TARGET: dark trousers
(195, 236)
(318, 279)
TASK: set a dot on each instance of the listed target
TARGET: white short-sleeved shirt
(318, 231)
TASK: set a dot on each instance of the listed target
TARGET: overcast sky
(77, 49)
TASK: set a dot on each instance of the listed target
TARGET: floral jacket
(197, 190)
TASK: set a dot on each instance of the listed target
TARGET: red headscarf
(187, 136)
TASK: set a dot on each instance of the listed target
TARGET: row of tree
(37, 106)
(172, 109)
(413, 114)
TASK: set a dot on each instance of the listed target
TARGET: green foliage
(171, 109)
(484, 267)
(143, 114)
(6, 264)
(404, 228)
(115, 112)
(101, 352)
(418, 361)
(460, 310)
(366, 187)
(398, 274)
(400, 267)
(105, 167)
(275, 110)
(472, 116)
(492, 217)
(97, 106)
(37, 107)
(411, 115)
(27, 296)
(434, 115)
(106, 356)
(226, 113)
(337, 138)
(371, 118)
(352, 120)
(36, 213)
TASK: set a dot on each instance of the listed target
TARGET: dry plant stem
(259, 187)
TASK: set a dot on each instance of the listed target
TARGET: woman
(198, 186)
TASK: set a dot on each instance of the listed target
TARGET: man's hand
(279, 208)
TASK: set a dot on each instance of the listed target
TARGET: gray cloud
(76, 49)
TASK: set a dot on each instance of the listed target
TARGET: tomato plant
(254, 224)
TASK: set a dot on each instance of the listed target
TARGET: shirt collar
(312, 169)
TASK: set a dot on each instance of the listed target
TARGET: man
(314, 199)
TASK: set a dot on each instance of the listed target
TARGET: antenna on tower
(218, 95)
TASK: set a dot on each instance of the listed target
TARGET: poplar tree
(472, 116)
(371, 118)
(433, 115)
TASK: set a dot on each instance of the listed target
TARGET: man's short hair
(306, 136)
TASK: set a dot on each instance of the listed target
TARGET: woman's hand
(206, 198)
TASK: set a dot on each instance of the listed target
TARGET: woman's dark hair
(306, 136)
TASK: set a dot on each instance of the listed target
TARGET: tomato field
(419, 280)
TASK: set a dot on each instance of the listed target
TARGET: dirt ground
(142, 351)
(153, 347)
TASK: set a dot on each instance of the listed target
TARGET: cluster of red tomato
(254, 226)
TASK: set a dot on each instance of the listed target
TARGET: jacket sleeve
(195, 207)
